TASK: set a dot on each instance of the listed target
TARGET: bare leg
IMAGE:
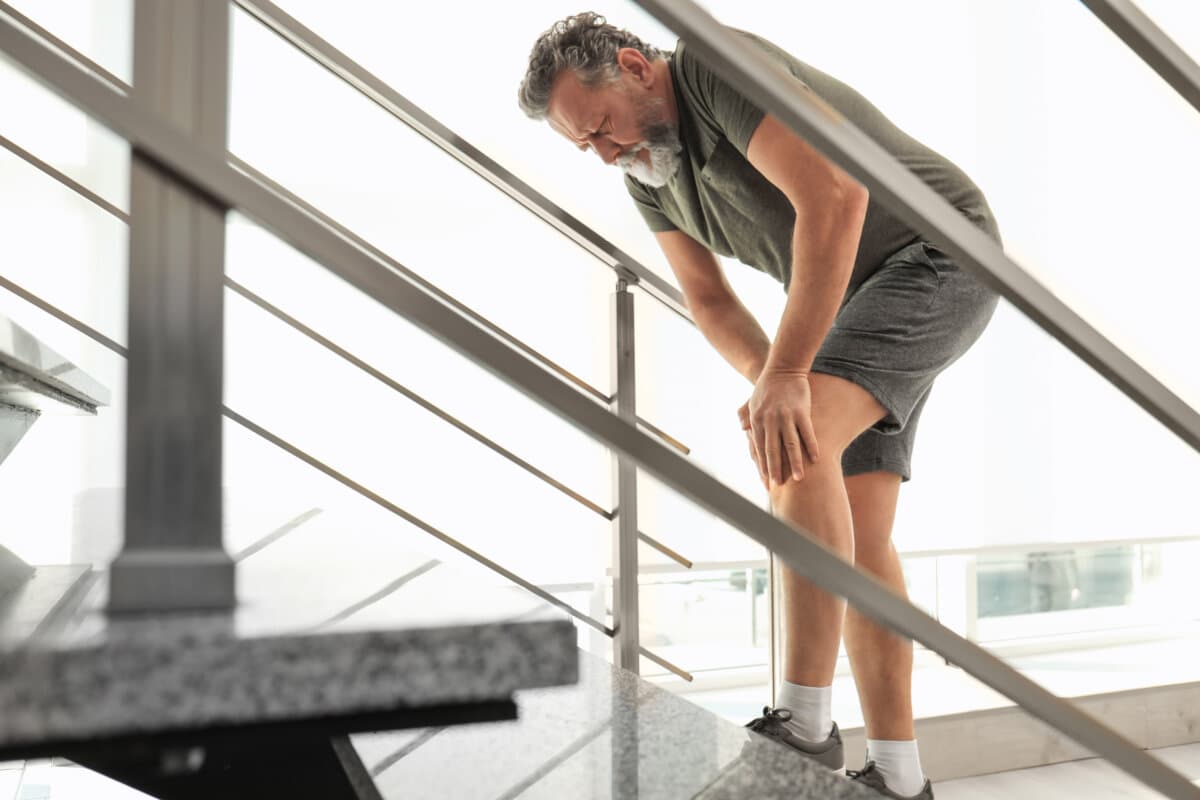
(882, 661)
(812, 618)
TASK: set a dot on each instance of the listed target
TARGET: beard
(660, 139)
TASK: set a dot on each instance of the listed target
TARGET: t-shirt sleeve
(648, 207)
(726, 107)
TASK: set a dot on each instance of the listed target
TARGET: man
(873, 314)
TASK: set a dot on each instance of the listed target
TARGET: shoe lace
(856, 774)
(770, 717)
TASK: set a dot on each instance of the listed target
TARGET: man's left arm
(830, 208)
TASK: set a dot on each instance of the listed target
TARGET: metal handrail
(286, 194)
(208, 173)
(312, 461)
(308, 208)
(358, 77)
(64, 179)
(1160, 52)
(414, 397)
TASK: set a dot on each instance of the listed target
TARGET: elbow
(850, 195)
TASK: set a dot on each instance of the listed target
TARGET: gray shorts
(892, 336)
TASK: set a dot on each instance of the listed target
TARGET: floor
(1093, 779)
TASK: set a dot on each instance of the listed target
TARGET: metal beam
(1156, 48)
(626, 606)
(801, 552)
(173, 557)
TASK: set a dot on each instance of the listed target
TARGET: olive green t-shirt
(719, 199)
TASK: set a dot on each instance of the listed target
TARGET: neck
(662, 69)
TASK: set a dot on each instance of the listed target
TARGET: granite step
(612, 735)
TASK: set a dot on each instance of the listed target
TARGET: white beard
(664, 162)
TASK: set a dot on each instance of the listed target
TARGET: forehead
(575, 110)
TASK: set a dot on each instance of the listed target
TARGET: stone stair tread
(611, 735)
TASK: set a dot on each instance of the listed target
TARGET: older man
(873, 314)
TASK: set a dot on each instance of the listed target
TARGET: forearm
(734, 332)
(823, 253)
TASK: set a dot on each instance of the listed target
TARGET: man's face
(625, 126)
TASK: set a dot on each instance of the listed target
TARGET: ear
(636, 64)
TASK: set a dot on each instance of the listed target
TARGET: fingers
(759, 437)
(771, 449)
(809, 434)
(791, 445)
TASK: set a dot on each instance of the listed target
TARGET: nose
(607, 151)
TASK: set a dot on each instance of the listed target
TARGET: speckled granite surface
(148, 674)
(610, 736)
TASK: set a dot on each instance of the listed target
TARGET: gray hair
(585, 43)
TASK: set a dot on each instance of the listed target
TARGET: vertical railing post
(626, 642)
(173, 556)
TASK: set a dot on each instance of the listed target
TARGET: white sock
(899, 763)
(811, 707)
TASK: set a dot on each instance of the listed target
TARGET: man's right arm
(719, 314)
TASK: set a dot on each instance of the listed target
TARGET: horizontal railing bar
(412, 519)
(67, 50)
(351, 72)
(666, 551)
(1160, 52)
(63, 317)
(417, 399)
(662, 662)
(207, 172)
(308, 208)
(63, 178)
(276, 535)
(671, 440)
(284, 445)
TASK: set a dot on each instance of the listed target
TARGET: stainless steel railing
(361, 79)
(363, 491)
(433, 290)
(208, 173)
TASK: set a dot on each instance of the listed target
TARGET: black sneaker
(871, 777)
(829, 753)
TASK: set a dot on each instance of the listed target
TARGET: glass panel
(61, 488)
(339, 151)
(310, 397)
(1051, 592)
